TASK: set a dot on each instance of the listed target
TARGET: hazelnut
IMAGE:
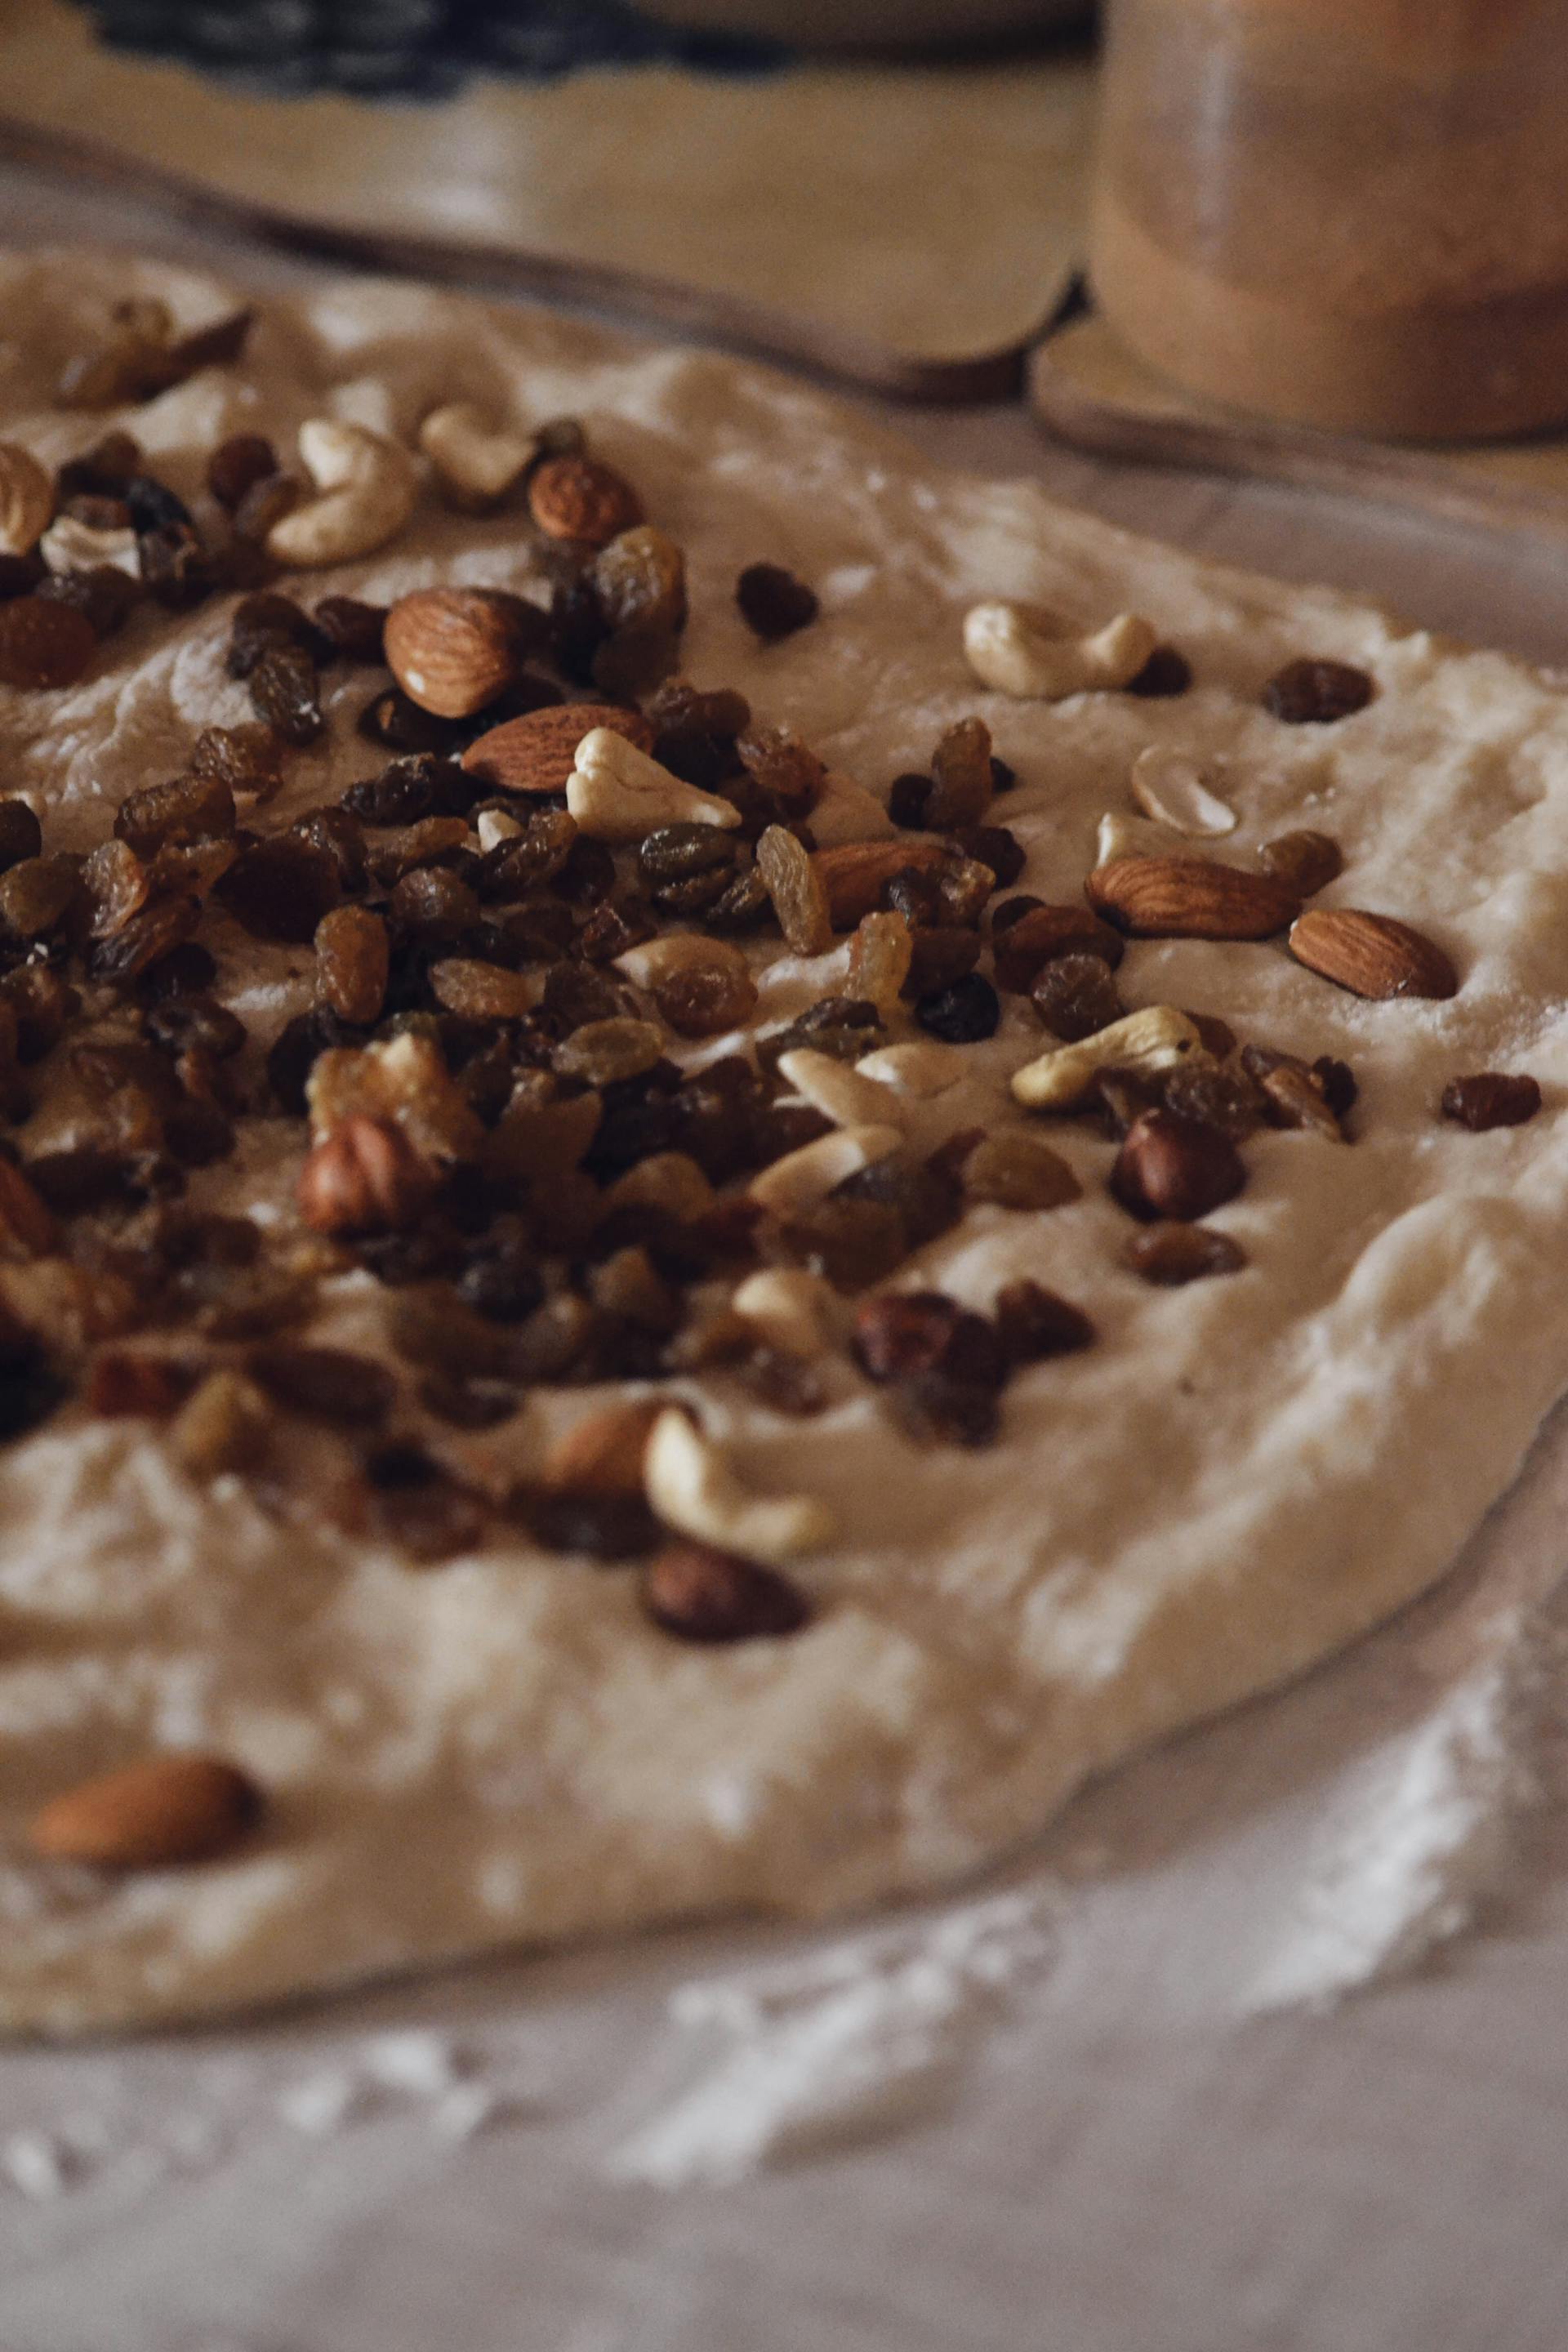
(1169, 1166)
(366, 1176)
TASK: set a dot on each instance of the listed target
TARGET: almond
(1190, 899)
(166, 1809)
(538, 752)
(366, 1176)
(1372, 955)
(578, 497)
(452, 650)
(1172, 1167)
(1044, 934)
(854, 874)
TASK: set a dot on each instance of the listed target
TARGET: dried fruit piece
(151, 1815)
(961, 777)
(795, 886)
(328, 1385)
(353, 959)
(856, 874)
(284, 694)
(1491, 1098)
(1166, 674)
(773, 602)
(1316, 693)
(962, 1013)
(1304, 861)
(1190, 899)
(640, 579)
(1019, 1172)
(603, 1052)
(21, 834)
(1171, 1255)
(1034, 1323)
(236, 466)
(1371, 955)
(701, 1594)
(44, 644)
(281, 889)
(1173, 1166)
(907, 799)
(366, 1176)
(576, 496)
(189, 808)
(1076, 997)
(247, 759)
(706, 1000)
(1041, 934)
(37, 895)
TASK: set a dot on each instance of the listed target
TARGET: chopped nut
(604, 1454)
(920, 1069)
(840, 1092)
(617, 793)
(1296, 1099)
(366, 1176)
(653, 961)
(668, 1181)
(27, 500)
(1176, 790)
(1492, 1098)
(476, 463)
(694, 1490)
(1135, 836)
(795, 1184)
(365, 487)
(702, 1593)
(1174, 1167)
(794, 885)
(848, 812)
(1018, 649)
(1154, 1040)
(794, 1311)
(484, 992)
(403, 1079)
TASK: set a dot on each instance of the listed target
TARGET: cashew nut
(920, 1068)
(1016, 649)
(475, 464)
(68, 545)
(838, 1092)
(617, 793)
(494, 826)
(803, 1179)
(794, 1311)
(365, 484)
(26, 498)
(1155, 1039)
(848, 812)
(1136, 836)
(1174, 789)
(693, 1489)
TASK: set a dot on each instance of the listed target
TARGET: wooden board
(911, 227)
(1091, 392)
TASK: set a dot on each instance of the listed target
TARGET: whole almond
(452, 650)
(538, 752)
(1169, 1166)
(578, 497)
(166, 1809)
(854, 874)
(1372, 955)
(1190, 899)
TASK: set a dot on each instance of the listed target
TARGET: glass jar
(1343, 212)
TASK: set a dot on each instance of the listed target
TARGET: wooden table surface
(1392, 2177)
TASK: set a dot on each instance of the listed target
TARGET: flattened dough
(1240, 1477)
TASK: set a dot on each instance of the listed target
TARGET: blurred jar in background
(1343, 212)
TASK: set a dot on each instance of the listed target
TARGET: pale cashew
(1136, 836)
(476, 465)
(803, 1179)
(920, 1068)
(848, 812)
(795, 1312)
(1015, 648)
(694, 1490)
(68, 545)
(26, 498)
(1174, 789)
(494, 826)
(838, 1092)
(1154, 1040)
(617, 793)
(366, 486)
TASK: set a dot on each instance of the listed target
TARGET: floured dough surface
(1240, 1477)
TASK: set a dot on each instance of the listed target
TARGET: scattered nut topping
(1172, 1167)
(1190, 899)
(794, 1311)
(1019, 649)
(1491, 1098)
(1371, 955)
(617, 793)
(364, 1178)
(1171, 1255)
(42, 644)
(773, 602)
(701, 1593)
(841, 1093)
(920, 1070)
(1019, 1171)
(604, 1453)
(225, 1426)
(476, 462)
(1316, 693)
(694, 1491)
(799, 1181)
(576, 496)
(537, 752)
(453, 650)
(364, 488)
(856, 874)
(1176, 790)
(1306, 862)
(1043, 934)
(151, 1815)
(1154, 1040)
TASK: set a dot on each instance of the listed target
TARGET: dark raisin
(604, 1526)
(1337, 1080)
(908, 798)
(674, 853)
(236, 466)
(1165, 673)
(994, 845)
(468, 1403)
(42, 644)
(1034, 1323)
(744, 903)
(1493, 1099)
(1003, 776)
(587, 875)
(103, 597)
(189, 808)
(284, 694)
(1075, 996)
(393, 718)
(938, 959)
(701, 1595)
(21, 574)
(281, 889)
(773, 602)
(186, 971)
(1171, 1255)
(1316, 693)
(351, 627)
(915, 896)
(263, 623)
(37, 894)
(933, 1406)
(327, 1383)
(504, 1285)
(195, 1020)
(21, 834)
(904, 1333)
(176, 566)
(1011, 911)
(962, 1014)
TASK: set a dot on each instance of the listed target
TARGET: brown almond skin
(1189, 899)
(452, 650)
(603, 1455)
(1176, 1168)
(1044, 936)
(364, 1178)
(1372, 955)
(853, 873)
(162, 1811)
(538, 752)
(578, 497)
(701, 1595)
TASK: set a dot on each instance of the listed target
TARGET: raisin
(1171, 1255)
(247, 759)
(904, 1333)
(236, 466)
(701, 1595)
(1003, 776)
(615, 928)
(603, 1053)
(962, 1014)
(995, 847)
(284, 694)
(587, 874)
(468, 1403)
(1075, 997)
(1166, 672)
(393, 718)
(774, 604)
(906, 801)
(190, 808)
(1228, 1099)
(795, 886)
(195, 1020)
(1493, 1099)
(961, 789)
(176, 566)
(103, 597)
(706, 1001)
(326, 1383)
(43, 643)
(1316, 693)
(1019, 1172)
(934, 1406)
(1307, 861)
(334, 832)
(503, 1283)
(20, 574)
(676, 852)
(281, 889)
(351, 627)
(433, 903)
(741, 907)
(788, 778)
(1036, 938)
(1338, 1082)
(1034, 1323)
(605, 1527)
(36, 894)
(187, 969)
(261, 625)
(21, 834)
(351, 963)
